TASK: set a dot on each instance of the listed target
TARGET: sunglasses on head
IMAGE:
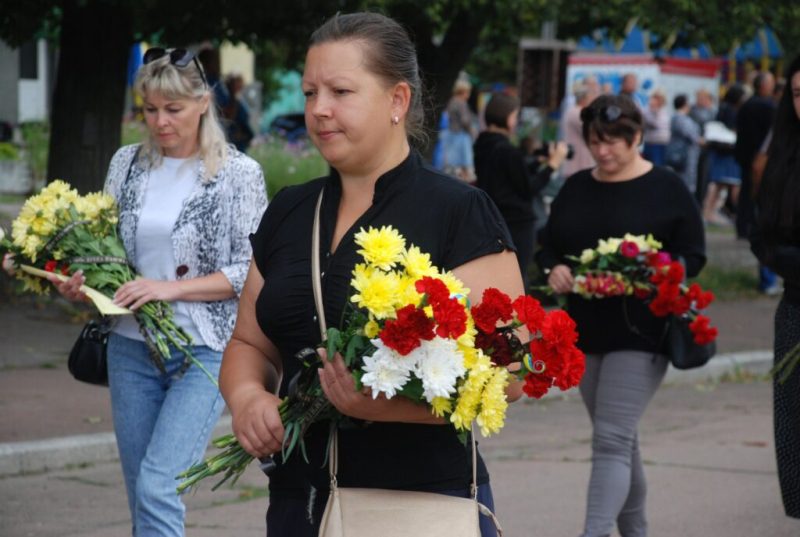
(179, 57)
(607, 114)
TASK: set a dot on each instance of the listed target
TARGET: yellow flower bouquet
(59, 232)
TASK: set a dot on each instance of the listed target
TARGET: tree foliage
(448, 34)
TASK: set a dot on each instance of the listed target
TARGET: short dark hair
(389, 54)
(499, 108)
(612, 116)
(680, 101)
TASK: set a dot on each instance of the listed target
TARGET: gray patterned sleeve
(118, 168)
(249, 201)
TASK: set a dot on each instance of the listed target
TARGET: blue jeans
(163, 423)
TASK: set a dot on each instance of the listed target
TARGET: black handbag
(87, 359)
(682, 350)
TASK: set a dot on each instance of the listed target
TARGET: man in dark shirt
(753, 123)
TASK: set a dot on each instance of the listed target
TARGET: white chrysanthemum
(385, 371)
(439, 366)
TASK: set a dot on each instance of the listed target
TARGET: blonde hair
(174, 82)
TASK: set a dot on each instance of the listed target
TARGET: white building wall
(32, 94)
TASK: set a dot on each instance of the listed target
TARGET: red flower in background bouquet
(549, 359)
(636, 265)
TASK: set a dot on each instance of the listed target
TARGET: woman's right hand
(257, 423)
(560, 279)
(71, 288)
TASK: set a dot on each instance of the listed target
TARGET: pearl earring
(395, 120)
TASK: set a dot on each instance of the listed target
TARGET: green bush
(36, 136)
(287, 164)
(8, 151)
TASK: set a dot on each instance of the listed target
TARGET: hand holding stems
(257, 422)
(70, 289)
(560, 279)
(134, 294)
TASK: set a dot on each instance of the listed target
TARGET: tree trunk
(441, 65)
(89, 94)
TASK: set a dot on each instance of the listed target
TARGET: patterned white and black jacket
(211, 233)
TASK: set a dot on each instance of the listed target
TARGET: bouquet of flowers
(59, 232)
(635, 265)
(410, 332)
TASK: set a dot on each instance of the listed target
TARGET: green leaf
(413, 389)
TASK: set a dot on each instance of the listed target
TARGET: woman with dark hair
(776, 243)
(363, 104)
(503, 173)
(622, 339)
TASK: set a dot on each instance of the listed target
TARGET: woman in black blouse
(363, 103)
(621, 338)
(777, 245)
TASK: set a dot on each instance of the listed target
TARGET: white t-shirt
(168, 187)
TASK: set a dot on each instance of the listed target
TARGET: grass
(729, 283)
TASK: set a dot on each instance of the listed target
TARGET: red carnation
(529, 312)
(675, 273)
(435, 288)
(495, 346)
(494, 306)
(574, 367)
(537, 385)
(416, 322)
(629, 249)
(397, 338)
(558, 330)
(451, 318)
(703, 333)
(51, 266)
(548, 353)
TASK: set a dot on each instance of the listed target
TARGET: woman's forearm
(204, 288)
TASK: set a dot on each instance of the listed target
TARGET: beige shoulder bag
(362, 512)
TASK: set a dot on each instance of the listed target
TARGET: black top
(753, 122)
(454, 223)
(502, 172)
(782, 255)
(587, 210)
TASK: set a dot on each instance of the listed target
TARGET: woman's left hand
(135, 294)
(340, 388)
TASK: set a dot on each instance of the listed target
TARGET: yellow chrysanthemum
(376, 291)
(469, 394)
(407, 293)
(61, 190)
(95, 204)
(492, 415)
(654, 244)
(382, 248)
(372, 329)
(609, 246)
(31, 246)
(587, 256)
(455, 285)
(33, 284)
(441, 406)
(418, 264)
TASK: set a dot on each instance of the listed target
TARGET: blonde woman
(188, 202)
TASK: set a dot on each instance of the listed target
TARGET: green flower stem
(233, 460)
(786, 366)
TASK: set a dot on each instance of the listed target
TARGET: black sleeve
(782, 258)
(476, 229)
(688, 239)
(547, 256)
